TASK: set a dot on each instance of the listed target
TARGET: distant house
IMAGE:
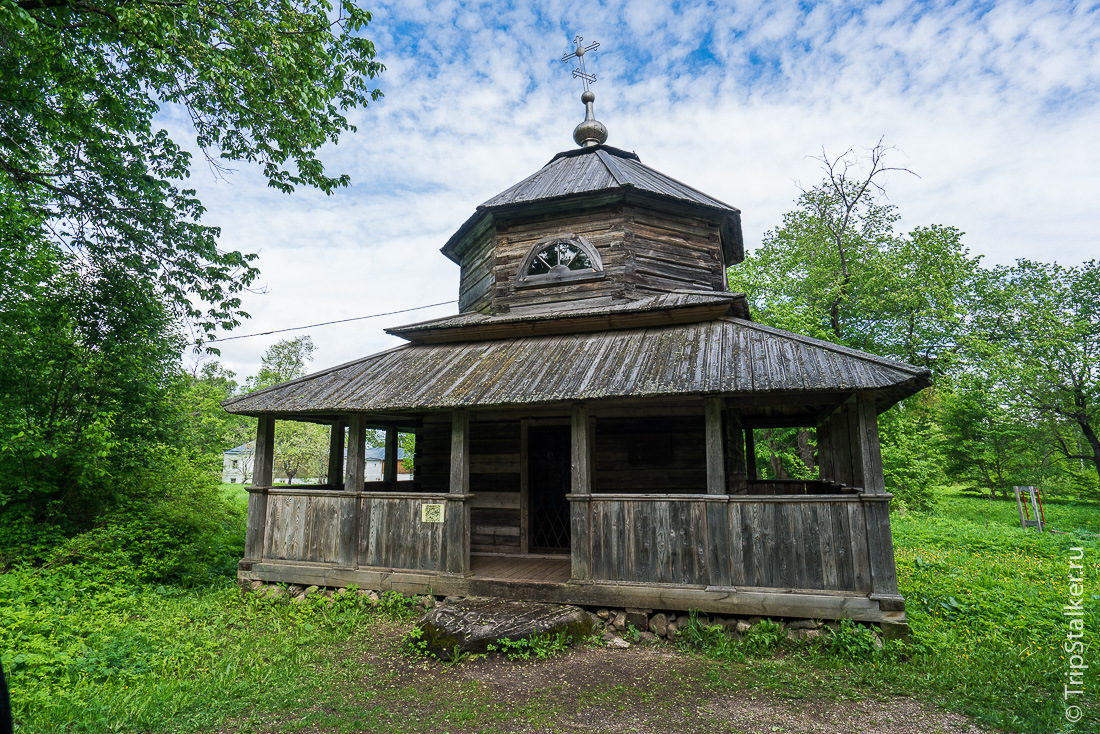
(237, 466)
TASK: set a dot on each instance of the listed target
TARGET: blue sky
(996, 107)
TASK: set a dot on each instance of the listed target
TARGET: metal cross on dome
(578, 53)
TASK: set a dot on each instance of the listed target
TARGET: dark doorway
(548, 478)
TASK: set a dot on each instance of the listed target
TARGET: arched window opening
(560, 258)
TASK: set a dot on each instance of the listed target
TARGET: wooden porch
(697, 532)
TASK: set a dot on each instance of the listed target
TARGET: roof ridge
(613, 168)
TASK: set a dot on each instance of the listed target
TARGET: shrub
(177, 526)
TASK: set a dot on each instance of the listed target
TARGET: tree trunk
(1094, 443)
(805, 451)
(773, 457)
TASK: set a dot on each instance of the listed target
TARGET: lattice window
(563, 257)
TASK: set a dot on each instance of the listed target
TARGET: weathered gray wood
(662, 532)
(457, 512)
(861, 561)
(524, 504)
(581, 484)
(580, 518)
(827, 544)
(336, 454)
(262, 463)
(736, 559)
(712, 601)
(363, 542)
(756, 551)
(750, 453)
(870, 453)
(379, 517)
(798, 576)
(356, 468)
(701, 547)
(719, 529)
(842, 547)
(630, 536)
(811, 528)
(389, 463)
(715, 444)
(736, 470)
(581, 451)
(782, 552)
(460, 452)
(880, 547)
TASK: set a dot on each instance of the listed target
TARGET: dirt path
(641, 690)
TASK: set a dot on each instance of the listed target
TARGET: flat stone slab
(469, 625)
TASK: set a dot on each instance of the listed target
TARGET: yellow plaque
(431, 513)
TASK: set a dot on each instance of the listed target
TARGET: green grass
(88, 653)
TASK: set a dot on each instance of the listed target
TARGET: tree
(835, 269)
(987, 441)
(83, 167)
(300, 448)
(284, 360)
(1038, 332)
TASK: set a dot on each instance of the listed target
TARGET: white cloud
(995, 107)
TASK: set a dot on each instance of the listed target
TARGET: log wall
(603, 228)
(640, 249)
(496, 461)
(475, 282)
(797, 543)
(665, 455)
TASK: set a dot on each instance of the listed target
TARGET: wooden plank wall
(475, 282)
(305, 526)
(651, 454)
(495, 467)
(603, 228)
(668, 251)
(392, 534)
(838, 447)
(797, 544)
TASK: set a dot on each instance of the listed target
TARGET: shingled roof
(726, 356)
(602, 170)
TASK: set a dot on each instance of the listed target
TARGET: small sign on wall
(431, 513)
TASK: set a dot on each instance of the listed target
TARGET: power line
(340, 321)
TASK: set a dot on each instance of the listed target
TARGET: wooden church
(585, 424)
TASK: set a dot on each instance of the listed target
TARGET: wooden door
(548, 477)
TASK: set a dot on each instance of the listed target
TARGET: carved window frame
(526, 280)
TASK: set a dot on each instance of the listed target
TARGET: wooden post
(736, 470)
(580, 494)
(457, 519)
(355, 473)
(750, 454)
(876, 505)
(389, 463)
(348, 541)
(524, 500)
(716, 460)
(867, 449)
(336, 454)
(262, 462)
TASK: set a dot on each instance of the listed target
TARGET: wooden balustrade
(812, 542)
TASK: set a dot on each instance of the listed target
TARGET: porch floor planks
(551, 570)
